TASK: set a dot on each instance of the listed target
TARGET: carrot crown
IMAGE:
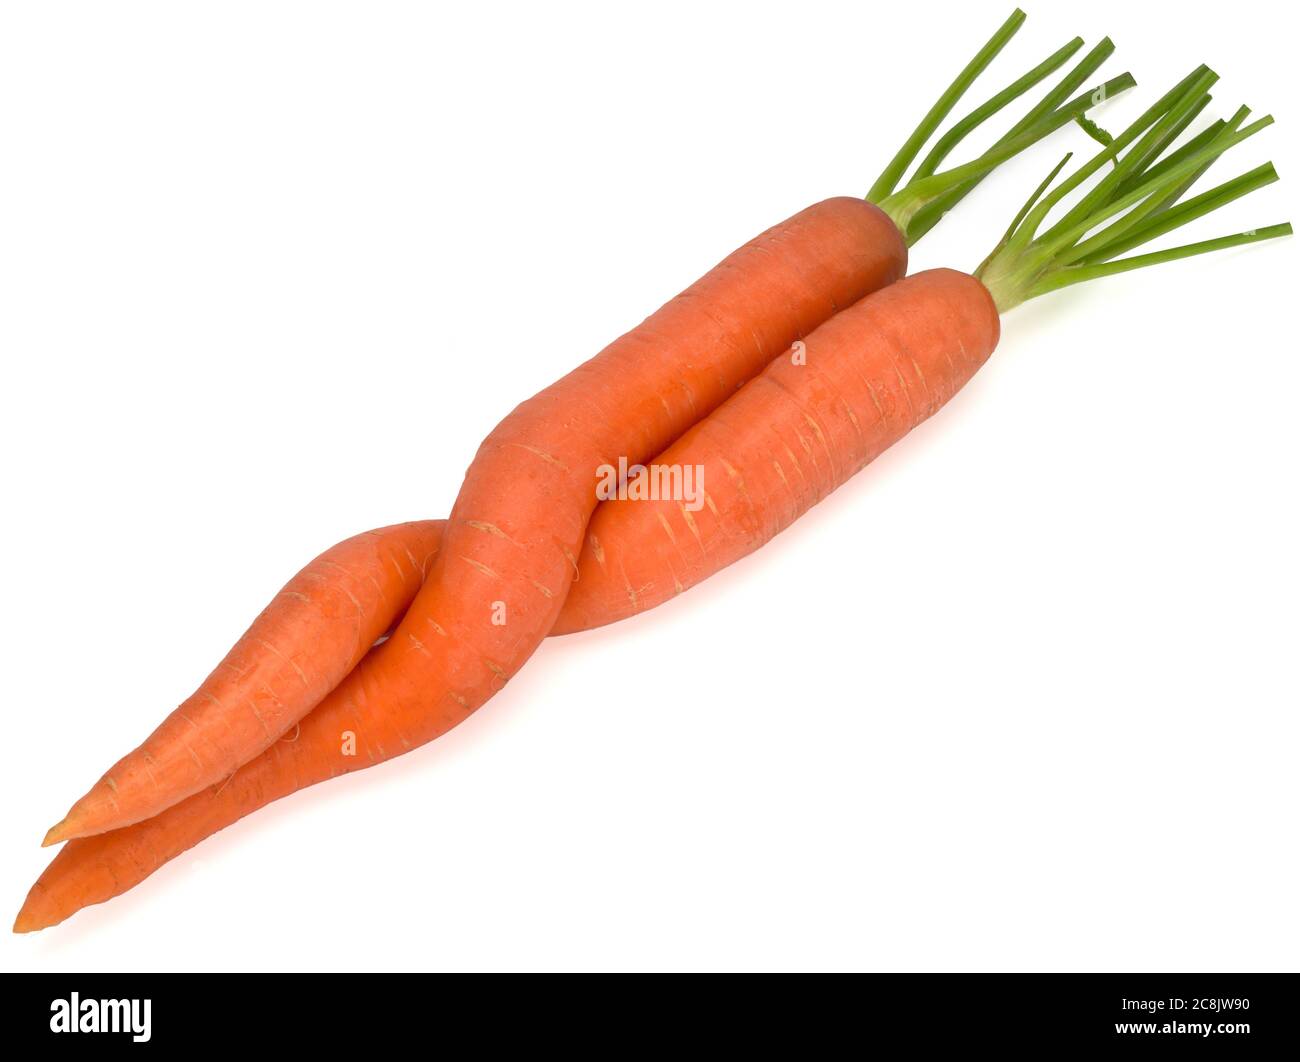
(1141, 193)
(920, 204)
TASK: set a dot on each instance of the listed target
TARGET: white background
(1021, 696)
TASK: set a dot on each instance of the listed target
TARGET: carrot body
(516, 528)
(871, 373)
(273, 675)
(789, 438)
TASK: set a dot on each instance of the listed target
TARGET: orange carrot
(791, 436)
(511, 555)
(383, 707)
(517, 526)
(272, 676)
(798, 430)
(867, 375)
(499, 582)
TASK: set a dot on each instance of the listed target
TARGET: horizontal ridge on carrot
(516, 555)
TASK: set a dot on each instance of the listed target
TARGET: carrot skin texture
(269, 679)
(788, 439)
(514, 533)
(510, 546)
(951, 328)
(516, 528)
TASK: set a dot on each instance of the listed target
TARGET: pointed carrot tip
(31, 921)
(37, 912)
(28, 921)
(56, 833)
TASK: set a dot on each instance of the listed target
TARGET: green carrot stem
(893, 173)
(1144, 121)
(1029, 205)
(1195, 144)
(1131, 162)
(1061, 246)
(1150, 146)
(1142, 194)
(932, 213)
(1094, 130)
(1171, 160)
(904, 204)
(1077, 274)
(1102, 250)
(1171, 135)
(943, 147)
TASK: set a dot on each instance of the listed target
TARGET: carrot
(802, 428)
(860, 407)
(791, 436)
(517, 525)
(868, 374)
(272, 676)
(507, 558)
(516, 528)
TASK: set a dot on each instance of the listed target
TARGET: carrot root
(390, 707)
(302, 645)
(61, 831)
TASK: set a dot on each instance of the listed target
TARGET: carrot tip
(60, 831)
(38, 911)
(29, 918)
(33, 921)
